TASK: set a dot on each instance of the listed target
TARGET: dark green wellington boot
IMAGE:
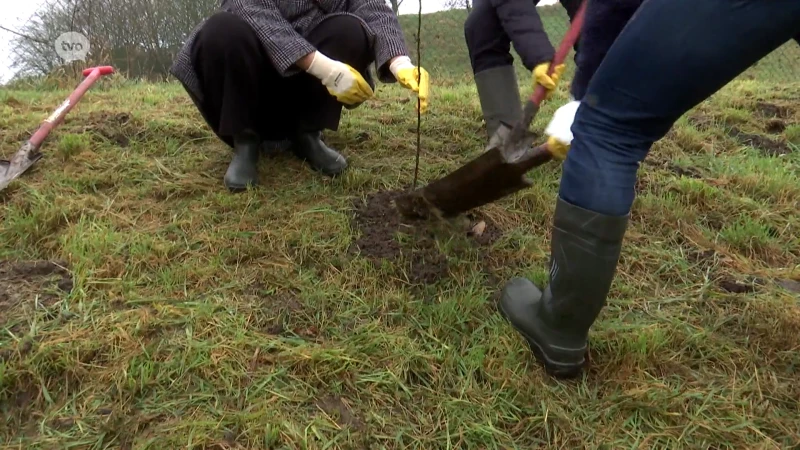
(243, 169)
(585, 249)
(310, 148)
(498, 93)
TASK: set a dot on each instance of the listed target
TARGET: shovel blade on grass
(497, 173)
(25, 157)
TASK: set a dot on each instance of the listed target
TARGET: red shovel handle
(563, 49)
(104, 70)
(91, 75)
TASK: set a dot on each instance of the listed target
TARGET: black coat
(522, 24)
(281, 25)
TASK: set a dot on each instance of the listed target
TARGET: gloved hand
(341, 80)
(407, 74)
(559, 130)
(547, 81)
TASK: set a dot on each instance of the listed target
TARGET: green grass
(208, 320)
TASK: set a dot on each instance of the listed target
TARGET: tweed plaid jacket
(281, 25)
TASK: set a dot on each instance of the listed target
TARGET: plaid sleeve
(389, 39)
(284, 46)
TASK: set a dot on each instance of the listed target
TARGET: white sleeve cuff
(401, 62)
(321, 66)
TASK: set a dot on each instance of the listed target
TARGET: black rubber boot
(585, 250)
(498, 93)
(310, 148)
(243, 169)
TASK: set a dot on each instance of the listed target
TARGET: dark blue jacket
(521, 22)
(604, 21)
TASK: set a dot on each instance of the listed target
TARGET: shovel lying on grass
(29, 153)
(498, 172)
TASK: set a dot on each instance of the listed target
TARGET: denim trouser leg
(671, 56)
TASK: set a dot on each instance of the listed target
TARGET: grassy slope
(201, 319)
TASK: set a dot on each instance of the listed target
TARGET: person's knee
(349, 30)
(345, 39)
(223, 31)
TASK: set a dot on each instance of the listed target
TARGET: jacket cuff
(384, 55)
(285, 64)
(532, 61)
(400, 63)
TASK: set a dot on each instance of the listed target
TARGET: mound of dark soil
(24, 281)
(775, 126)
(764, 144)
(119, 128)
(737, 287)
(769, 110)
(412, 244)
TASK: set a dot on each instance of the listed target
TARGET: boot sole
(316, 168)
(552, 368)
(234, 187)
(321, 170)
(330, 173)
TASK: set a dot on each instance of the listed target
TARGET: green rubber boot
(585, 250)
(498, 93)
(243, 169)
(310, 148)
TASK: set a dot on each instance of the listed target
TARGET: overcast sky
(15, 12)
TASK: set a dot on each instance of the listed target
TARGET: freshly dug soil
(411, 243)
(23, 281)
(768, 110)
(767, 146)
(739, 287)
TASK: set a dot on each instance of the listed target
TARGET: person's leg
(672, 55)
(643, 86)
(344, 39)
(233, 73)
(603, 22)
(492, 65)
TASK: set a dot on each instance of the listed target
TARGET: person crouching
(282, 70)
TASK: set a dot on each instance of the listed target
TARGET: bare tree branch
(22, 35)
(139, 37)
(458, 4)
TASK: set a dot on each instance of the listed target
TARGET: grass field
(165, 312)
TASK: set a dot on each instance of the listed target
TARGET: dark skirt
(242, 90)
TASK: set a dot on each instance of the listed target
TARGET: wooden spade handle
(563, 49)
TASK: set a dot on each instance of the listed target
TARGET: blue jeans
(672, 55)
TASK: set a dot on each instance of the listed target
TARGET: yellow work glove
(557, 148)
(341, 80)
(547, 81)
(559, 130)
(407, 75)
